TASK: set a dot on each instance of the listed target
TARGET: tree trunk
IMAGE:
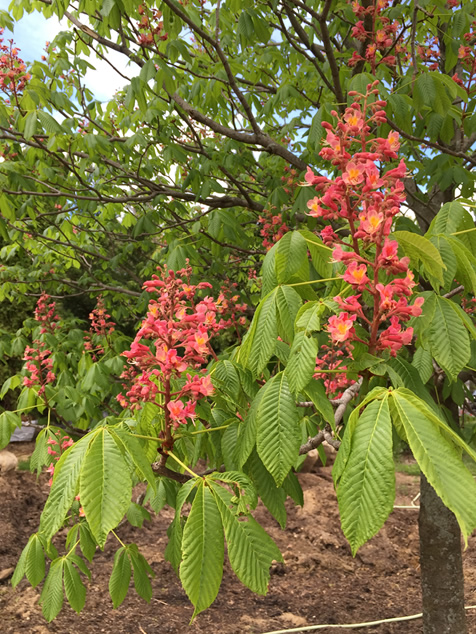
(442, 580)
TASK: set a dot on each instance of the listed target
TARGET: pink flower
(341, 326)
(175, 408)
(356, 275)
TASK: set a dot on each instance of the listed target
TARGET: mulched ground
(320, 582)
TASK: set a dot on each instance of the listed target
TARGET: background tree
(200, 154)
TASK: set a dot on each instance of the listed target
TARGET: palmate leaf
(105, 485)
(449, 339)
(278, 433)
(201, 569)
(366, 490)
(64, 487)
(302, 361)
(437, 457)
(251, 550)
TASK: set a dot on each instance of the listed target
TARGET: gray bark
(442, 580)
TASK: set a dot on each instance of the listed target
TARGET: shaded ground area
(319, 583)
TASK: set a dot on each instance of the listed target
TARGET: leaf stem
(328, 279)
(118, 539)
(184, 466)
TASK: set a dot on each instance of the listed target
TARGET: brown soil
(319, 583)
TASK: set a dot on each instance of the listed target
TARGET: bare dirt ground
(320, 582)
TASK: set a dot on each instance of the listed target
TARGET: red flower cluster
(467, 56)
(334, 359)
(39, 364)
(179, 328)
(367, 198)
(380, 39)
(45, 314)
(290, 180)
(273, 228)
(151, 24)
(100, 327)
(13, 75)
(229, 309)
(38, 358)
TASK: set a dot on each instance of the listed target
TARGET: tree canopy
(219, 117)
(301, 167)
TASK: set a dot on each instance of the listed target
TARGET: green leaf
(201, 569)
(30, 125)
(278, 435)
(293, 488)
(137, 515)
(136, 452)
(420, 249)
(424, 91)
(225, 376)
(448, 220)
(120, 577)
(316, 391)
(466, 264)
(288, 303)
(291, 252)
(439, 460)
(229, 446)
(302, 361)
(51, 598)
(105, 486)
(248, 428)
(320, 254)
(264, 341)
(366, 490)
(308, 317)
(343, 454)
(35, 561)
(141, 571)
(250, 549)
(64, 487)
(86, 541)
(268, 271)
(20, 568)
(8, 422)
(273, 497)
(73, 586)
(49, 123)
(449, 339)
(423, 362)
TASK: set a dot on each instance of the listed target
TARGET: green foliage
(200, 157)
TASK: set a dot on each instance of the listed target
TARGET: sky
(33, 31)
